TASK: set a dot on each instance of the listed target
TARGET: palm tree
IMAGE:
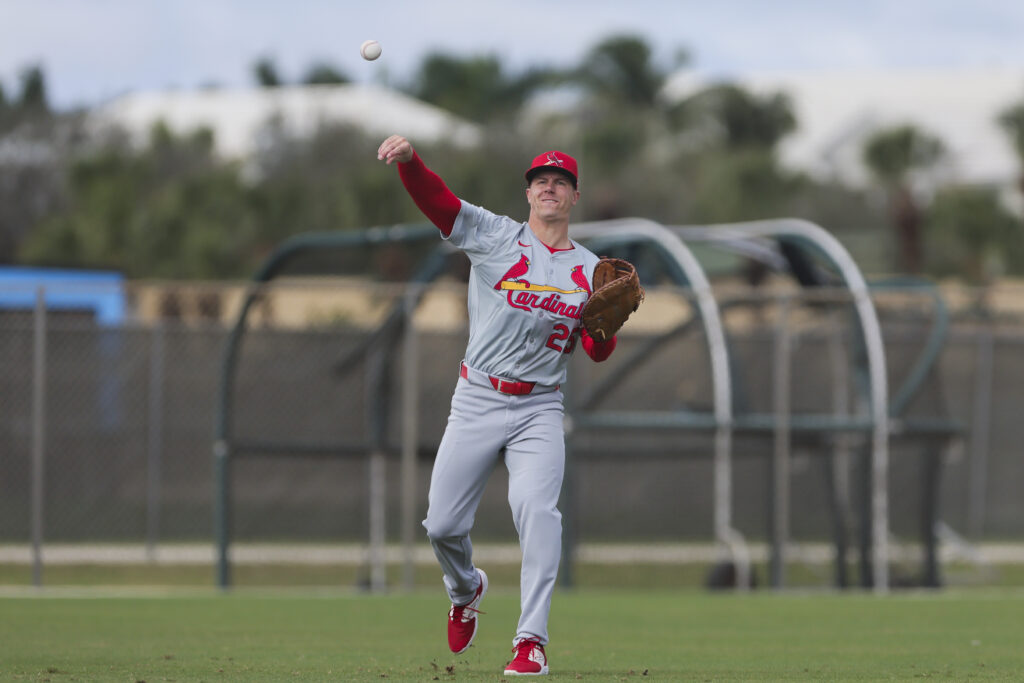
(619, 116)
(736, 118)
(33, 90)
(476, 88)
(892, 154)
(619, 70)
(265, 73)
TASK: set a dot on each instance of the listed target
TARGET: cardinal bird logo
(580, 279)
(513, 279)
(515, 272)
(553, 160)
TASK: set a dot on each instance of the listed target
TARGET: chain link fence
(106, 432)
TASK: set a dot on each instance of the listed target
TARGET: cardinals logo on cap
(553, 160)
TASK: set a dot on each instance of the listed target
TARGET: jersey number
(561, 333)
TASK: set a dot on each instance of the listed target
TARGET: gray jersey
(524, 301)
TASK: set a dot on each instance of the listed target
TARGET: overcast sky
(92, 50)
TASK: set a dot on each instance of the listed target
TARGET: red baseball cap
(554, 161)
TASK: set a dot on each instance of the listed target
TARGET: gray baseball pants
(529, 428)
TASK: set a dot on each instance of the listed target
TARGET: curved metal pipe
(831, 248)
(628, 229)
(270, 268)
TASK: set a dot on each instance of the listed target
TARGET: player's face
(551, 195)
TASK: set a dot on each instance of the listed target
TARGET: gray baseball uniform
(524, 302)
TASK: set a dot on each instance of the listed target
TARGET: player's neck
(555, 234)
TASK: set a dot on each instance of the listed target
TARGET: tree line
(73, 196)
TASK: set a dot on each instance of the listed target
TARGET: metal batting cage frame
(802, 251)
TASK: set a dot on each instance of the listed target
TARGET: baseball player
(527, 284)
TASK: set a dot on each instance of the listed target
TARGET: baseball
(370, 50)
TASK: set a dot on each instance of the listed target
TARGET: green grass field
(659, 635)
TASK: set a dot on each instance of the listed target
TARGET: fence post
(222, 511)
(38, 434)
(781, 455)
(838, 461)
(377, 405)
(981, 423)
(378, 532)
(410, 438)
(154, 441)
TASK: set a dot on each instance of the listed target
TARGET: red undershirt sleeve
(431, 195)
(598, 351)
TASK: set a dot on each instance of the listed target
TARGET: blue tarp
(100, 292)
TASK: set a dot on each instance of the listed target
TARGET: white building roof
(238, 117)
(837, 111)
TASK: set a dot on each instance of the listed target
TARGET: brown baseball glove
(617, 293)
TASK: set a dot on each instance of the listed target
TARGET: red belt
(503, 386)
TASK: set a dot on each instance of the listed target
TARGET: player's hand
(395, 148)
